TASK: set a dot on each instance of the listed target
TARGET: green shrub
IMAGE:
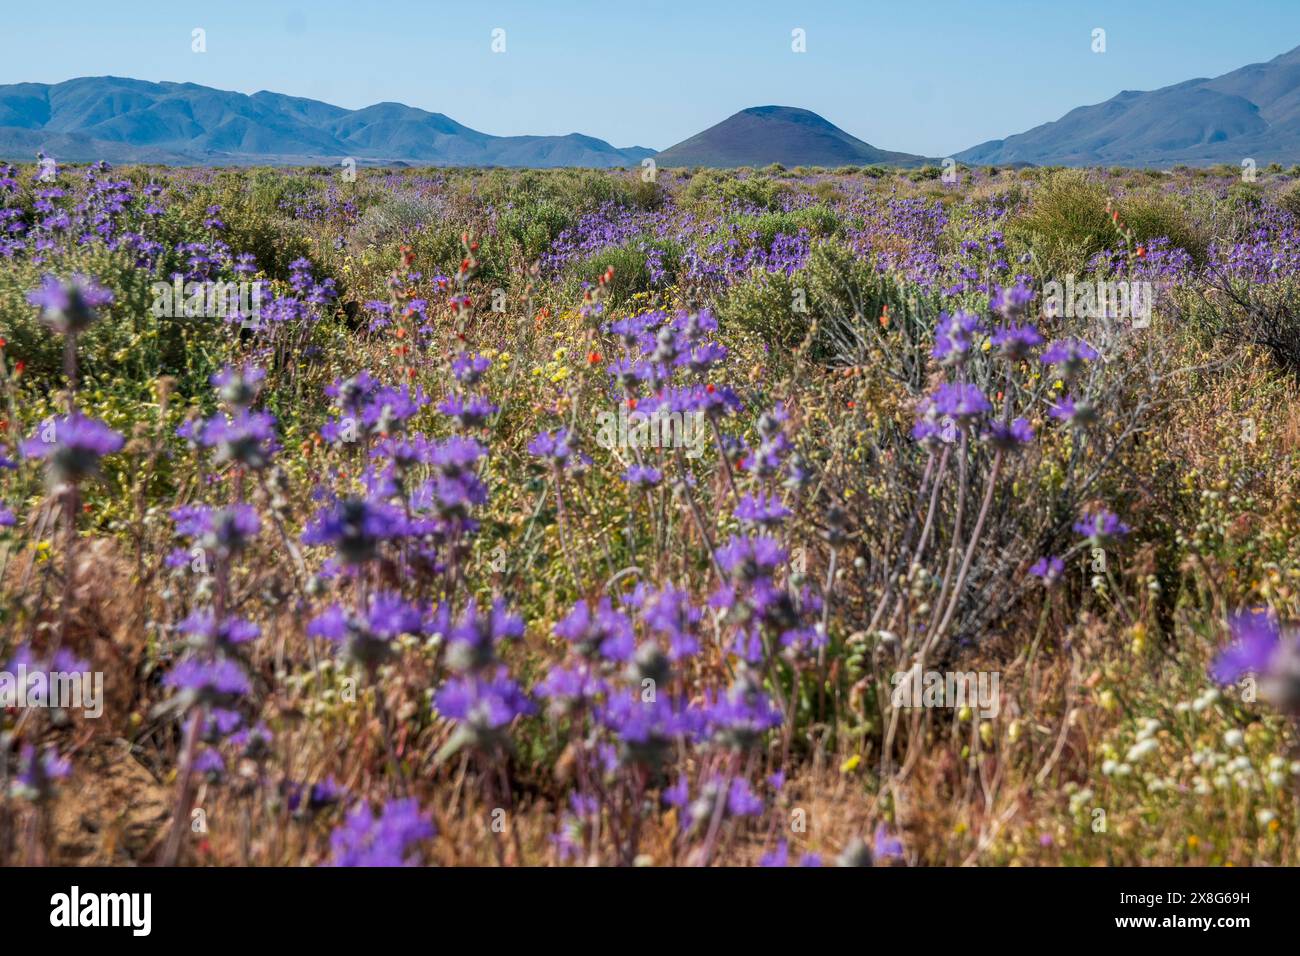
(1245, 197)
(719, 186)
(1066, 222)
(924, 173)
(826, 191)
(766, 306)
(1289, 199)
(632, 273)
(397, 218)
(817, 221)
(848, 295)
(129, 341)
(1159, 215)
(531, 229)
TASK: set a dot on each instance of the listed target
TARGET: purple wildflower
(1048, 569)
(954, 335)
(1070, 354)
(1009, 437)
(1100, 525)
(642, 476)
(1014, 342)
(389, 839)
(73, 445)
(469, 368)
(553, 446)
(355, 527)
(238, 386)
(1256, 640)
(1078, 414)
(468, 412)
(204, 629)
(761, 511)
(69, 306)
(601, 631)
(472, 640)
(218, 682)
(1010, 301)
(483, 705)
(962, 401)
(886, 845)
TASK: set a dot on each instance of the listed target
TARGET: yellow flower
(1139, 635)
(851, 764)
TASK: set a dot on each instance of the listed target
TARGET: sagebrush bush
(1066, 222)
(1289, 199)
(1154, 215)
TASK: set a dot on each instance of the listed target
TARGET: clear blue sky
(930, 76)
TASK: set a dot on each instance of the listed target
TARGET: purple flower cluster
(390, 838)
(72, 446)
(70, 306)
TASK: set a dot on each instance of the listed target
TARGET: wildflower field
(524, 518)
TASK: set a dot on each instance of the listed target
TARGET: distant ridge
(1250, 113)
(762, 135)
(124, 120)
